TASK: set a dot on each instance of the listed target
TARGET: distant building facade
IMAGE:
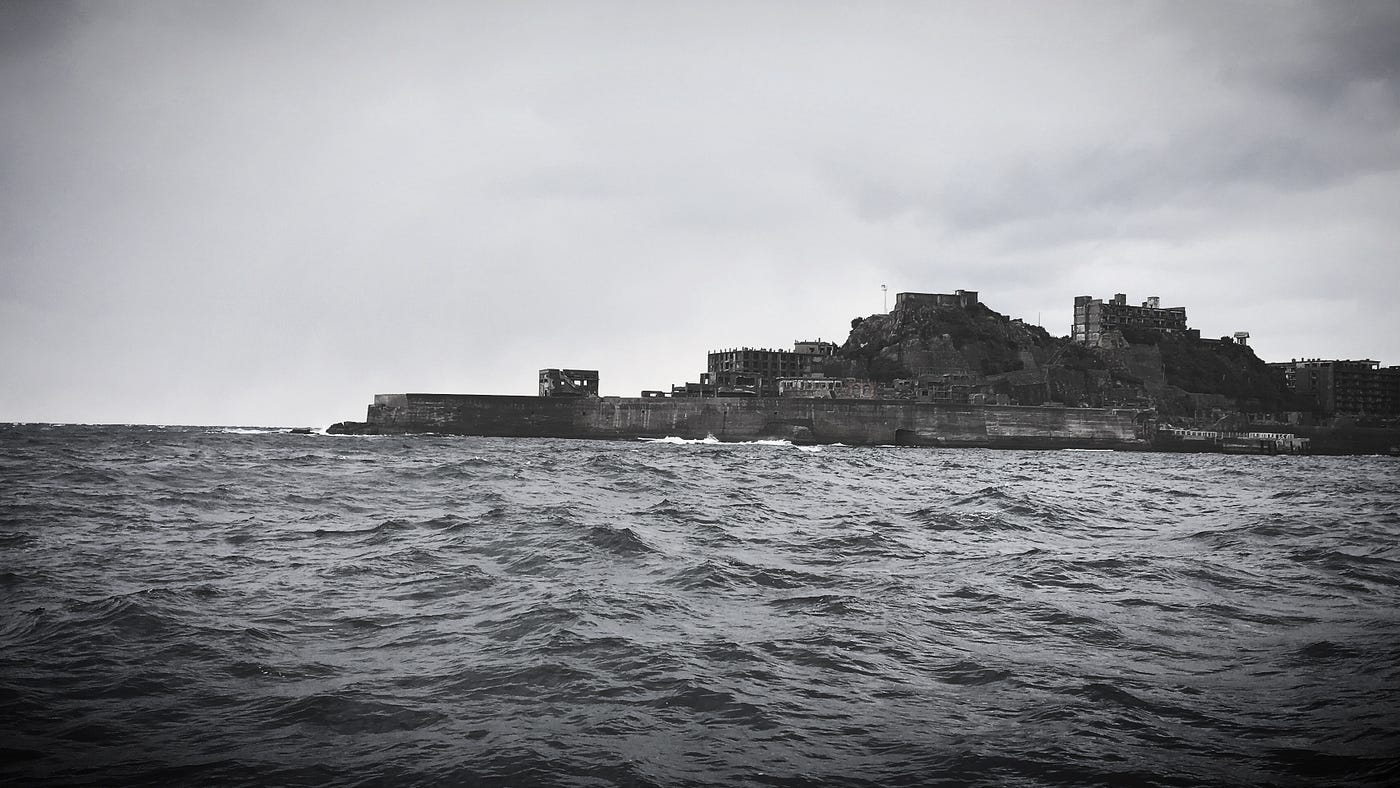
(701, 389)
(827, 388)
(961, 298)
(733, 384)
(1094, 316)
(762, 368)
(1344, 386)
(954, 388)
(568, 383)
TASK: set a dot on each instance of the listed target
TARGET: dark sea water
(207, 606)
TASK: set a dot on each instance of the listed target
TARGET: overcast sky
(266, 213)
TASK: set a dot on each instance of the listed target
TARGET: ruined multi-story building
(1094, 316)
(764, 367)
(568, 383)
(1344, 386)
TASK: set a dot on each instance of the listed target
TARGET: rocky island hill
(959, 349)
(947, 371)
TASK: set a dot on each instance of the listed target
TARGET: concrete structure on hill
(1343, 386)
(961, 298)
(1094, 316)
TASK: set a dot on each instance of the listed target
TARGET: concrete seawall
(854, 422)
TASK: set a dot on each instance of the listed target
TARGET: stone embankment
(853, 422)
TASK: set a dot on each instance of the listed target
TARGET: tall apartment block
(1348, 387)
(1094, 316)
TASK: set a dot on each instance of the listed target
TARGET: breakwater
(852, 422)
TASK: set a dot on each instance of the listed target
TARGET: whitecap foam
(712, 440)
(672, 439)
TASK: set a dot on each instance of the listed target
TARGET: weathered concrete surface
(855, 422)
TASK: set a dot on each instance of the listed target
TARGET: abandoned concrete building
(756, 371)
(824, 388)
(1094, 316)
(568, 383)
(1344, 386)
(960, 298)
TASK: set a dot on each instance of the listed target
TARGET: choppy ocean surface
(212, 606)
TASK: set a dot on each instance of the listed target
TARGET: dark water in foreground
(196, 606)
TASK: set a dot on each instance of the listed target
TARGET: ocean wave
(711, 440)
(677, 441)
(193, 606)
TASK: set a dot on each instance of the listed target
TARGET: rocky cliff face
(1184, 379)
(920, 339)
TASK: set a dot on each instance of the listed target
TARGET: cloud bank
(266, 213)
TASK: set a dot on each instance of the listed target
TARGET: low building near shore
(827, 388)
(568, 383)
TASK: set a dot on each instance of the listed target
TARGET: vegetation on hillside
(1209, 366)
(915, 340)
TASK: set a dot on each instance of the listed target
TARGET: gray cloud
(1315, 53)
(268, 212)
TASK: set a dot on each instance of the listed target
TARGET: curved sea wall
(855, 422)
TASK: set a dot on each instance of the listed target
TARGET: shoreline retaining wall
(854, 422)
